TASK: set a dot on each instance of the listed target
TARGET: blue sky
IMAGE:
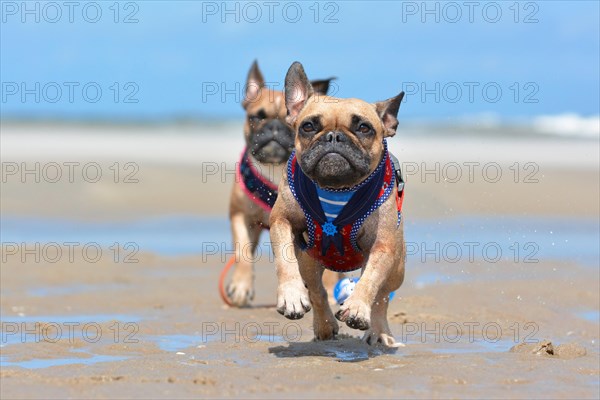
(513, 60)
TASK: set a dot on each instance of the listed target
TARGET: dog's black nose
(335, 137)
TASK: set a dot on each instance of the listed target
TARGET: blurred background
(134, 82)
(121, 126)
(188, 62)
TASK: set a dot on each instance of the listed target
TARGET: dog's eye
(364, 128)
(254, 119)
(308, 127)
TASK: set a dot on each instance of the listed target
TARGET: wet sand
(149, 322)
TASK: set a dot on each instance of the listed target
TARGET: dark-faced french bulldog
(269, 143)
(339, 209)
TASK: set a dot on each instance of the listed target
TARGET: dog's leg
(377, 273)
(324, 324)
(245, 238)
(292, 296)
(379, 331)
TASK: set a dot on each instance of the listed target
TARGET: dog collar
(332, 238)
(257, 187)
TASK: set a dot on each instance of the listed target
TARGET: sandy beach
(113, 239)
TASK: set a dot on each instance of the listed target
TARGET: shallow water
(78, 318)
(566, 239)
(589, 315)
(171, 236)
(464, 346)
(45, 291)
(38, 363)
(422, 279)
(23, 329)
(450, 240)
(177, 342)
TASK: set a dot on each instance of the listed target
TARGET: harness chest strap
(257, 187)
(332, 235)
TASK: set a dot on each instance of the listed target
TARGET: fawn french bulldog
(339, 209)
(269, 143)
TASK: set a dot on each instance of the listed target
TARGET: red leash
(224, 273)
(223, 292)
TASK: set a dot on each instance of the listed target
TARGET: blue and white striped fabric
(333, 202)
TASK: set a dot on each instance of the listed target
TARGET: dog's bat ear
(297, 90)
(321, 86)
(388, 112)
(254, 84)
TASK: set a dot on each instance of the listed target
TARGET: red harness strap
(257, 187)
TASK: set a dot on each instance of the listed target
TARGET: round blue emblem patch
(329, 229)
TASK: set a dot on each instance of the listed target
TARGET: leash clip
(398, 172)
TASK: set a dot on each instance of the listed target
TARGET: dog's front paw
(240, 291)
(355, 313)
(292, 300)
(374, 336)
